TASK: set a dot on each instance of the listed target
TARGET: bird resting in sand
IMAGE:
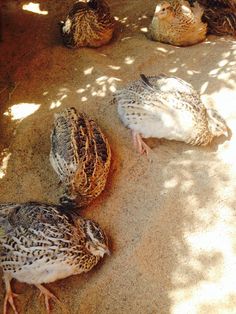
(167, 107)
(220, 16)
(41, 243)
(80, 155)
(175, 22)
(88, 24)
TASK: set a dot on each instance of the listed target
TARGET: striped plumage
(167, 107)
(175, 22)
(218, 3)
(41, 243)
(81, 155)
(220, 23)
(220, 15)
(88, 25)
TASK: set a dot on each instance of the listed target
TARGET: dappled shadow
(171, 219)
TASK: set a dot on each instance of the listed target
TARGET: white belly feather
(41, 272)
(171, 124)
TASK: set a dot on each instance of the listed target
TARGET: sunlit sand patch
(57, 103)
(161, 49)
(129, 60)
(113, 67)
(144, 29)
(88, 71)
(34, 7)
(204, 87)
(205, 276)
(3, 165)
(21, 111)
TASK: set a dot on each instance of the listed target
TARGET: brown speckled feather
(220, 4)
(41, 243)
(175, 22)
(220, 16)
(88, 25)
(220, 23)
(81, 156)
(168, 107)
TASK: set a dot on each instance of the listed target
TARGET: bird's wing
(93, 151)
(166, 83)
(159, 93)
(27, 214)
(34, 231)
(170, 92)
(102, 146)
(218, 4)
(63, 144)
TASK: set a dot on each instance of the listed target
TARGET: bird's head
(96, 240)
(93, 4)
(216, 123)
(163, 10)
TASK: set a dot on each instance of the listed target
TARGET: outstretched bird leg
(9, 297)
(47, 296)
(139, 144)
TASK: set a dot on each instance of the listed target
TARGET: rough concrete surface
(171, 221)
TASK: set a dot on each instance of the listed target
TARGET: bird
(220, 16)
(167, 107)
(41, 243)
(175, 22)
(88, 24)
(80, 155)
(216, 3)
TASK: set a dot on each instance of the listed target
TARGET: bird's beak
(107, 251)
(226, 133)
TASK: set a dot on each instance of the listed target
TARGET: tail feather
(198, 10)
(146, 81)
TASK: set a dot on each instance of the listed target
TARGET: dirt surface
(171, 221)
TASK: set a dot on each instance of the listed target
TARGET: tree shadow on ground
(171, 221)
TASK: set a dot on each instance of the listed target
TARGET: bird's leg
(139, 144)
(9, 297)
(134, 137)
(47, 296)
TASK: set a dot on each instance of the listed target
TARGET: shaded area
(171, 221)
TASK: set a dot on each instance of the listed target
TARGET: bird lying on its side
(167, 107)
(41, 243)
(88, 25)
(176, 23)
(80, 155)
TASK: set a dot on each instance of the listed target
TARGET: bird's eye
(163, 10)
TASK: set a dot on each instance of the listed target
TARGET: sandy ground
(171, 222)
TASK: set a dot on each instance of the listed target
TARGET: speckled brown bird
(80, 155)
(217, 3)
(88, 25)
(220, 16)
(167, 107)
(176, 23)
(41, 243)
